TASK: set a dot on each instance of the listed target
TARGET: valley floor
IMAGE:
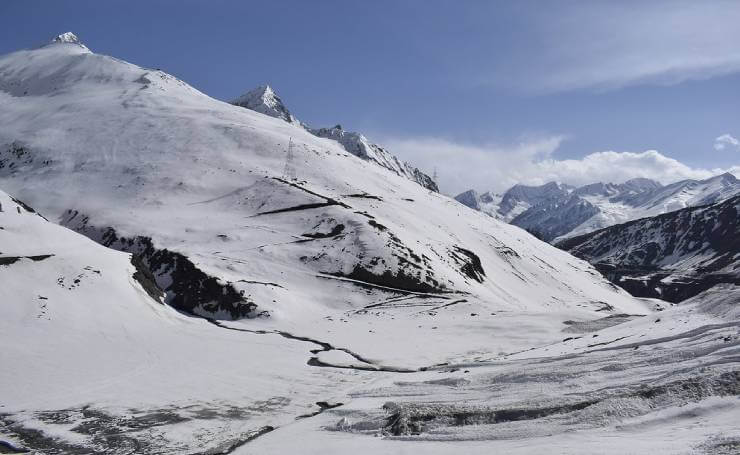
(667, 382)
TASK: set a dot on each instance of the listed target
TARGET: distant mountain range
(556, 211)
(673, 256)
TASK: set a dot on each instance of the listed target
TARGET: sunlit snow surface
(98, 364)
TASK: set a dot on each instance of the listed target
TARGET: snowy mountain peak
(641, 183)
(469, 198)
(264, 100)
(727, 178)
(68, 38)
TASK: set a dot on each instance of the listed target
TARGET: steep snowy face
(686, 193)
(517, 201)
(672, 256)
(555, 217)
(521, 197)
(470, 198)
(265, 101)
(551, 212)
(60, 291)
(640, 185)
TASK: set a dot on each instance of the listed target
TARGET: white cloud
(726, 141)
(607, 45)
(497, 166)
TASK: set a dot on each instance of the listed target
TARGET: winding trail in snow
(325, 347)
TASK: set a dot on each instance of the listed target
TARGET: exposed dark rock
(401, 280)
(297, 208)
(405, 420)
(364, 196)
(248, 437)
(416, 418)
(377, 225)
(6, 447)
(471, 265)
(8, 260)
(336, 230)
(187, 288)
(146, 279)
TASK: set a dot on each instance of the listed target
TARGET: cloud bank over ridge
(497, 167)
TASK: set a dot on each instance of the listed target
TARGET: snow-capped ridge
(264, 100)
(641, 182)
(551, 212)
(726, 177)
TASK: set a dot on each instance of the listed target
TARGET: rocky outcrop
(185, 286)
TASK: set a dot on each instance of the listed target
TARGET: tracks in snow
(367, 364)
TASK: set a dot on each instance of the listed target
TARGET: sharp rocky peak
(68, 38)
(264, 100)
(725, 177)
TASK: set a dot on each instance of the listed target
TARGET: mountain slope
(149, 156)
(554, 212)
(94, 362)
(264, 100)
(672, 256)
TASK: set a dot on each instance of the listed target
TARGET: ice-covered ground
(667, 383)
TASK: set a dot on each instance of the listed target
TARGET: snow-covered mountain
(672, 256)
(556, 211)
(264, 100)
(292, 309)
(138, 159)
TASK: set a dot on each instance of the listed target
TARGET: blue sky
(489, 92)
